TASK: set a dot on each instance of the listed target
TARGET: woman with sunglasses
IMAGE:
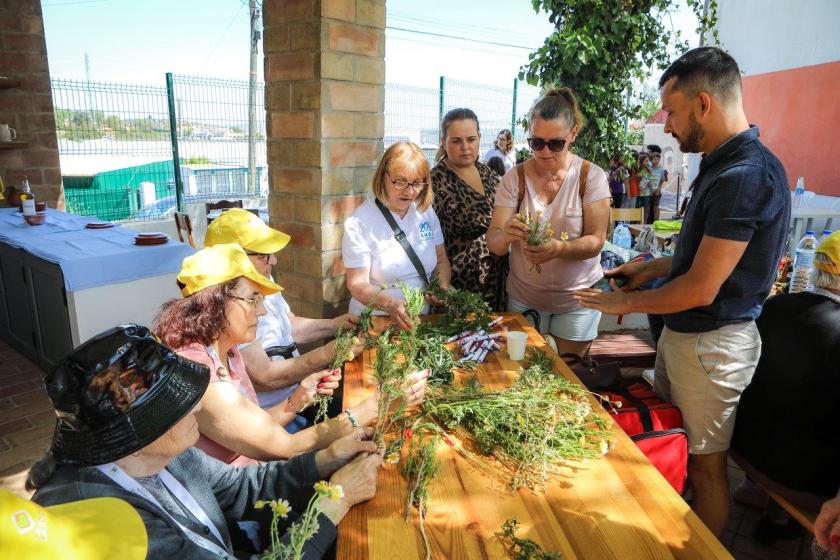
(223, 301)
(127, 408)
(572, 196)
(376, 261)
(464, 192)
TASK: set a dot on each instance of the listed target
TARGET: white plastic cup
(516, 341)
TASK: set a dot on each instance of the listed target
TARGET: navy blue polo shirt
(740, 194)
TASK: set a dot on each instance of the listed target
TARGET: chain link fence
(116, 141)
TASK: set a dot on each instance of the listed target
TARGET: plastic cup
(516, 341)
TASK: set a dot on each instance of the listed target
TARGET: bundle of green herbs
(465, 311)
(522, 549)
(345, 339)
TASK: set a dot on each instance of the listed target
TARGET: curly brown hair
(197, 318)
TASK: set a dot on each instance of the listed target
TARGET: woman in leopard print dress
(464, 192)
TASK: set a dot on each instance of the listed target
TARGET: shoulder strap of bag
(399, 235)
(641, 407)
(520, 173)
(584, 172)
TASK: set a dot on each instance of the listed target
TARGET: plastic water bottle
(621, 236)
(799, 193)
(800, 278)
(825, 233)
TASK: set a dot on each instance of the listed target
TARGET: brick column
(325, 76)
(28, 107)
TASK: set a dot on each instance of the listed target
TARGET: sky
(139, 41)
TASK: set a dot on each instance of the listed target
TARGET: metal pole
(442, 100)
(513, 108)
(173, 136)
(252, 99)
(705, 15)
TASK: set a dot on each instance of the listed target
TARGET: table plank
(617, 507)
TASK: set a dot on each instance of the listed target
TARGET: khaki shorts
(704, 374)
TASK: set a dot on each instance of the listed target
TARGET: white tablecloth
(90, 257)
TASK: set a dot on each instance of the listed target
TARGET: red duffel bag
(656, 428)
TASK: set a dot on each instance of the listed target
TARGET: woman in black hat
(126, 426)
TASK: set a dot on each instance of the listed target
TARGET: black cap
(117, 393)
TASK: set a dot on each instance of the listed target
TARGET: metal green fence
(128, 150)
(116, 145)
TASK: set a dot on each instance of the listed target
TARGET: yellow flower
(583, 440)
(604, 446)
(392, 458)
(356, 340)
(259, 504)
(336, 492)
(281, 508)
(564, 236)
(539, 212)
(349, 356)
(383, 286)
(322, 487)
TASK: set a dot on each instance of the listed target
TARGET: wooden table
(618, 507)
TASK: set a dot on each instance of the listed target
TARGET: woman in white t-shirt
(503, 148)
(376, 263)
(574, 197)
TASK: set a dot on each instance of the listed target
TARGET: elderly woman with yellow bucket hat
(274, 363)
(126, 407)
(223, 299)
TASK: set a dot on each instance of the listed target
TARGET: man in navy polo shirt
(722, 269)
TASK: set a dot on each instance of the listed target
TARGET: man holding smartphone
(721, 272)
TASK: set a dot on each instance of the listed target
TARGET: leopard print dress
(464, 216)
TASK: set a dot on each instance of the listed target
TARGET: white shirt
(369, 242)
(275, 329)
(509, 158)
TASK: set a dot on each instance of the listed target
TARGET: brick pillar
(325, 77)
(28, 107)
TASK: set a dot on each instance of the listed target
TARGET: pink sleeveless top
(236, 375)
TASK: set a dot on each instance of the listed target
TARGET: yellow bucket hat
(94, 529)
(218, 264)
(830, 247)
(244, 228)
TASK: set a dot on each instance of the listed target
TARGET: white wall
(771, 35)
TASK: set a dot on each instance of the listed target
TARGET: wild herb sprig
(433, 354)
(540, 232)
(420, 468)
(465, 311)
(345, 339)
(531, 427)
(303, 529)
(522, 549)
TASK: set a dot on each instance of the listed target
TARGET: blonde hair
(558, 103)
(408, 154)
(822, 278)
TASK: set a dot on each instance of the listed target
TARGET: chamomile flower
(392, 458)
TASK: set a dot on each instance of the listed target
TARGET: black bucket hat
(119, 392)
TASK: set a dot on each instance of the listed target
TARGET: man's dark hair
(708, 69)
(654, 148)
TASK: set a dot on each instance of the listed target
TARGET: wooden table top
(616, 507)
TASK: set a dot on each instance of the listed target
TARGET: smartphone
(604, 283)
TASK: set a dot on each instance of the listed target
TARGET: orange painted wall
(798, 112)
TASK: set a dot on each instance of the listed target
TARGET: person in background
(633, 180)
(126, 427)
(375, 260)
(498, 165)
(721, 272)
(646, 181)
(660, 177)
(273, 361)
(222, 303)
(573, 197)
(787, 413)
(464, 191)
(618, 176)
(503, 148)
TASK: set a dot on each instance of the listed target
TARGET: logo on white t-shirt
(425, 230)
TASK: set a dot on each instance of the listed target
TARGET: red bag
(656, 428)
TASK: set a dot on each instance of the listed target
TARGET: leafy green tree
(600, 48)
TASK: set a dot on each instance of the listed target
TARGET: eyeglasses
(555, 144)
(255, 301)
(402, 185)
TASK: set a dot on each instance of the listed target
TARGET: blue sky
(139, 40)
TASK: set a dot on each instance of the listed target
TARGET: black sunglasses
(555, 144)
